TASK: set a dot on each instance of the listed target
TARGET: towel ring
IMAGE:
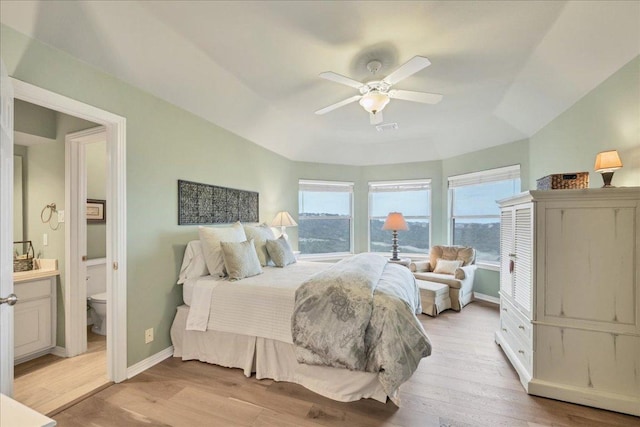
(52, 208)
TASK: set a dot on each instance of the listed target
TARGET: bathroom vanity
(35, 313)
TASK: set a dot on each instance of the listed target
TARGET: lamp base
(394, 246)
(606, 178)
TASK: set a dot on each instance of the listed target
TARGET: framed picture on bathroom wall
(95, 211)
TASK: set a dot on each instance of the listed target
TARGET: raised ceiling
(505, 68)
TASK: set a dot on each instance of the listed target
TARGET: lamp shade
(395, 221)
(283, 219)
(607, 161)
(374, 101)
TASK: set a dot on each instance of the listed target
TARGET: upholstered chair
(458, 275)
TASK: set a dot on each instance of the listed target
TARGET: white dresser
(570, 294)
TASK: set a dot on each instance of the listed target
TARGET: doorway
(44, 382)
(114, 126)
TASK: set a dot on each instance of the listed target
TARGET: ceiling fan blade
(339, 78)
(410, 67)
(409, 95)
(375, 119)
(338, 104)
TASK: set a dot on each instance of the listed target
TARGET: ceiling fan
(375, 94)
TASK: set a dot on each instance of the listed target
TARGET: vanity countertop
(23, 276)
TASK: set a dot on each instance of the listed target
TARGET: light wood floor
(467, 381)
(50, 383)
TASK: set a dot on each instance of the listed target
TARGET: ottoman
(434, 297)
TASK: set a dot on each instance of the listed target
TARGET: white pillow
(193, 265)
(444, 266)
(210, 237)
(260, 234)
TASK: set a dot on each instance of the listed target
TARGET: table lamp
(606, 163)
(395, 221)
(283, 220)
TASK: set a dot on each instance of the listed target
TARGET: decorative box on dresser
(570, 294)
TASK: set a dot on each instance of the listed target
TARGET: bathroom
(39, 181)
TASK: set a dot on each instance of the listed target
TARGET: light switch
(60, 216)
(45, 239)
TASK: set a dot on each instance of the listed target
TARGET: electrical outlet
(45, 239)
(60, 216)
(148, 335)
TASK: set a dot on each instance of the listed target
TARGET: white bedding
(259, 306)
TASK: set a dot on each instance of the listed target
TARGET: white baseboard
(488, 298)
(59, 351)
(626, 404)
(150, 361)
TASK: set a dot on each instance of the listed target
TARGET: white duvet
(258, 306)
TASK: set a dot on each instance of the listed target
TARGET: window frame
(327, 186)
(426, 182)
(487, 176)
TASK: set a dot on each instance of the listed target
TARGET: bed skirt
(273, 359)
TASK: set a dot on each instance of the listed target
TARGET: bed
(250, 324)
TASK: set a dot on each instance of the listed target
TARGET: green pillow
(240, 259)
(280, 252)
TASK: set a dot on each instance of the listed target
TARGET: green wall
(607, 118)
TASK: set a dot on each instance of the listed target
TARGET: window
(474, 213)
(413, 200)
(325, 216)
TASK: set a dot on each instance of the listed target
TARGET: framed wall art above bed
(210, 204)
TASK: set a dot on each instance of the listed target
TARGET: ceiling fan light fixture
(374, 101)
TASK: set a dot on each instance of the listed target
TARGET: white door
(6, 233)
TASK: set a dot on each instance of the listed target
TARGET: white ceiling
(505, 68)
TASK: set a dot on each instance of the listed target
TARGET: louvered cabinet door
(506, 251)
(523, 260)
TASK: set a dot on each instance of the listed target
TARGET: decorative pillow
(444, 266)
(240, 259)
(210, 237)
(280, 252)
(193, 265)
(260, 234)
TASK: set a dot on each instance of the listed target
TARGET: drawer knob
(504, 329)
(521, 351)
(521, 327)
(504, 308)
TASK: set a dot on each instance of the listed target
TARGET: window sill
(324, 257)
(488, 266)
(412, 256)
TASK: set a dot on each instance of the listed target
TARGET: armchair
(460, 280)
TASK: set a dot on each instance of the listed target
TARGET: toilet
(98, 303)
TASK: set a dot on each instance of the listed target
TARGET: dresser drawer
(517, 322)
(34, 289)
(514, 339)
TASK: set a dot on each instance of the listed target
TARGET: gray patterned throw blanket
(360, 315)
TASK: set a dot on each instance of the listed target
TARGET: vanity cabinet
(34, 315)
(570, 294)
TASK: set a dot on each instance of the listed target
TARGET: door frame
(115, 127)
(6, 232)
(75, 289)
